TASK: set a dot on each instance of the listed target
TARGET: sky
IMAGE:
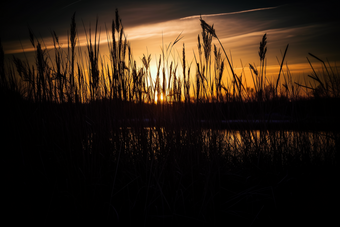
(308, 27)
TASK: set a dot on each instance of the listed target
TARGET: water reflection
(158, 141)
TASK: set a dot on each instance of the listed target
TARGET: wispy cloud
(230, 13)
(239, 33)
(71, 4)
(168, 28)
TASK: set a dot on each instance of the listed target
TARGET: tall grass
(90, 134)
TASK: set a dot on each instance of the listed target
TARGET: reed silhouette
(93, 141)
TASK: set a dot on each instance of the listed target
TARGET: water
(158, 141)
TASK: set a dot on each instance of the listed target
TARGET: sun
(160, 98)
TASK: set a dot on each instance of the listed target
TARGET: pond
(156, 142)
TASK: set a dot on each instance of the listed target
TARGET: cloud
(239, 31)
(71, 4)
(231, 13)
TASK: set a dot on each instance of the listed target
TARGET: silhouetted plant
(117, 155)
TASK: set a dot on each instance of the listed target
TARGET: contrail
(71, 4)
(231, 13)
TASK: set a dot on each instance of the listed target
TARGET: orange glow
(156, 98)
(241, 46)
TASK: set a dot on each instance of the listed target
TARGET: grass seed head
(263, 47)
(207, 27)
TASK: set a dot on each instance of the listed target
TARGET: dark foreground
(84, 165)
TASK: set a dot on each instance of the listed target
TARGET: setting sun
(160, 97)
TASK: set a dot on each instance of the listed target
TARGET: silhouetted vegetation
(93, 141)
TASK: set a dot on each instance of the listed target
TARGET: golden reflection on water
(234, 143)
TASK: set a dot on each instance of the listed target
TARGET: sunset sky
(307, 27)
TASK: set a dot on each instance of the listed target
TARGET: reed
(91, 140)
(327, 86)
